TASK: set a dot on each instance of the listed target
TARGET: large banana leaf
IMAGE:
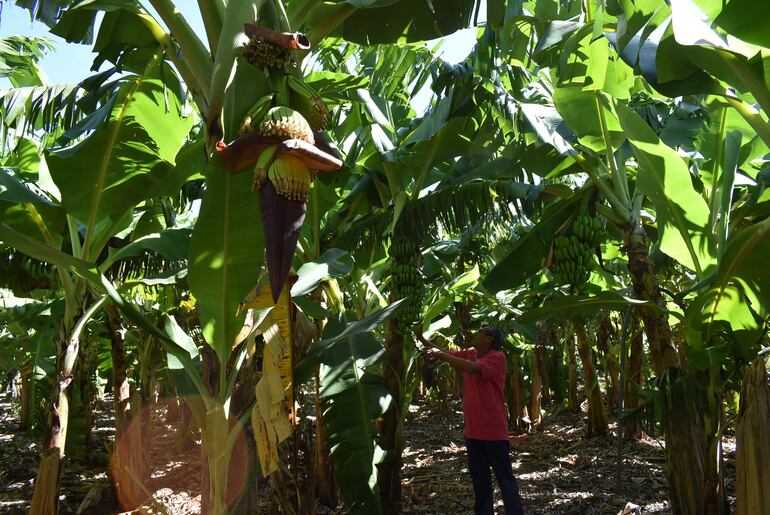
(527, 257)
(735, 20)
(127, 157)
(19, 56)
(579, 109)
(28, 212)
(447, 294)
(332, 263)
(682, 214)
(102, 285)
(353, 398)
(226, 253)
(570, 307)
(173, 244)
(744, 264)
(397, 21)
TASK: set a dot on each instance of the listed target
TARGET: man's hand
(433, 353)
(420, 338)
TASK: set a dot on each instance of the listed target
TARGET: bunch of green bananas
(588, 229)
(574, 254)
(574, 259)
(305, 100)
(406, 281)
(401, 248)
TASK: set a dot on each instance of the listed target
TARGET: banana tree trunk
(556, 370)
(129, 454)
(323, 466)
(210, 369)
(597, 418)
(27, 396)
(753, 481)
(325, 487)
(86, 372)
(634, 377)
(244, 466)
(536, 391)
(604, 337)
(518, 412)
(713, 415)
(391, 429)
(686, 467)
(45, 499)
(572, 388)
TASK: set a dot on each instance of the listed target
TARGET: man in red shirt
(486, 424)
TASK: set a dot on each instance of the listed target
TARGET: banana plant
(633, 168)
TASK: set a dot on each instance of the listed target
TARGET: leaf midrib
(109, 151)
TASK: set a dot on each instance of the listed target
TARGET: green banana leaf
(735, 20)
(682, 214)
(744, 264)
(353, 398)
(407, 20)
(332, 263)
(579, 109)
(28, 212)
(173, 244)
(226, 253)
(570, 307)
(448, 294)
(19, 60)
(127, 157)
(527, 256)
(102, 285)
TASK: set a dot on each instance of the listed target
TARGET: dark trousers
(482, 455)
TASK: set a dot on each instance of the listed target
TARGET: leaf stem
(390, 175)
(620, 183)
(283, 18)
(752, 117)
(77, 250)
(193, 49)
(620, 207)
(750, 82)
(717, 167)
(426, 164)
(212, 13)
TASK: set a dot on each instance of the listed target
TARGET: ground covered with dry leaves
(558, 469)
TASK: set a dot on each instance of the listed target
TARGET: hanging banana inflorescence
(279, 141)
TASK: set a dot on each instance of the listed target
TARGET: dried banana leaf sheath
(281, 222)
(288, 40)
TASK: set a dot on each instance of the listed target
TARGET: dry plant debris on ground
(558, 469)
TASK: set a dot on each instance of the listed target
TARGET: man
(486, 424)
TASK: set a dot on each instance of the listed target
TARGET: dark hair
(495, 334)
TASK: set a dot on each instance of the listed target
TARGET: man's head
(486, 338)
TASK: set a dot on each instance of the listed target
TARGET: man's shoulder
(495, 354)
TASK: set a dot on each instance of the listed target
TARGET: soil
(557, 468)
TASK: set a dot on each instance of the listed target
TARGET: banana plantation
(221, 249)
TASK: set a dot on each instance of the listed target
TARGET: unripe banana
(262, 165)
(290, 176)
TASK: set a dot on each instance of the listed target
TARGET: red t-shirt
(483, 405)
